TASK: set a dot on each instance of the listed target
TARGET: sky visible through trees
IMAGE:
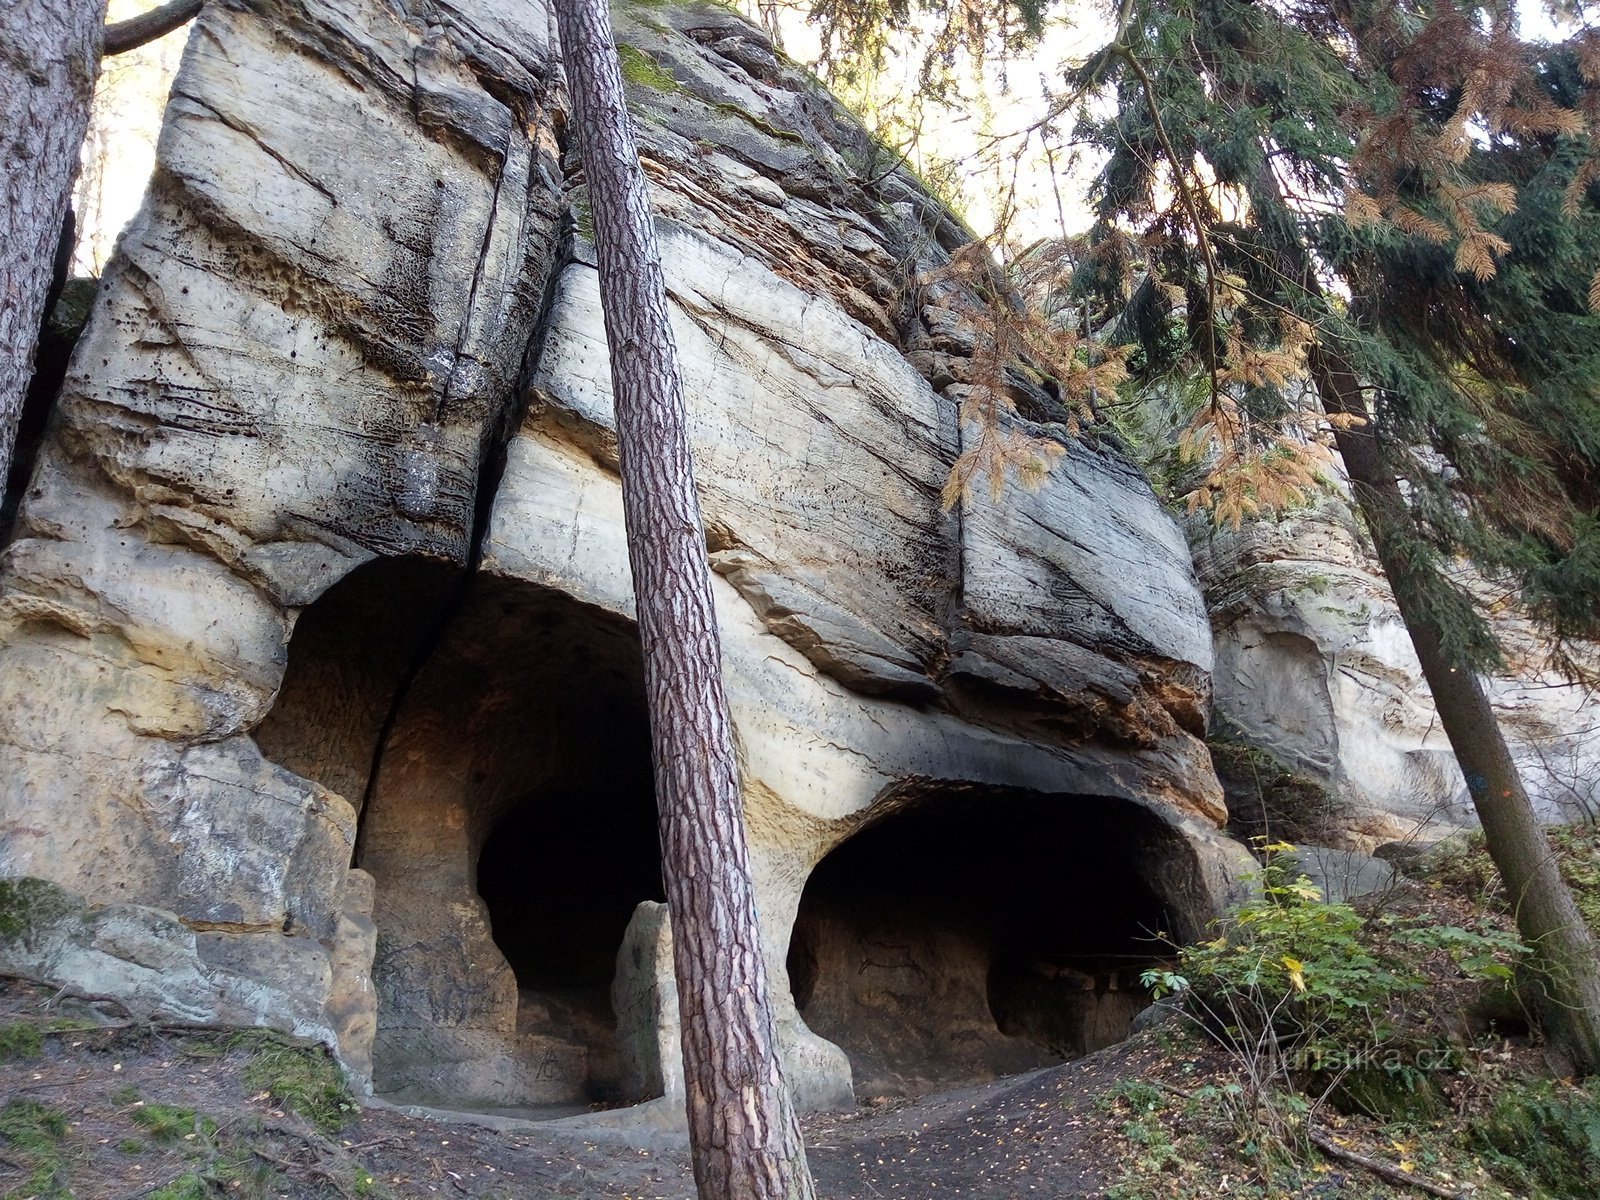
(979, 145)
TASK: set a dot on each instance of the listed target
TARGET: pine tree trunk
(49, 57)
(744, 1136)
(1565, 972)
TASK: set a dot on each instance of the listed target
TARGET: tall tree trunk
(744, 1136)
(1565, 972)
(49, 57)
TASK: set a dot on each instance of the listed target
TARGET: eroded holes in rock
(979, 932)
(511, 832)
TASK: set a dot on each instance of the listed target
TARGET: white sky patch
(120, 151)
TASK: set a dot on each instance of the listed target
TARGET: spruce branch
(1191, 208)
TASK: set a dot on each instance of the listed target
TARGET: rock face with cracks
(1315, 669)
(320, 679)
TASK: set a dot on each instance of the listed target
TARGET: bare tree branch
(147, 27)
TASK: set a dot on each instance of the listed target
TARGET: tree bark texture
(744, 1136)
(1565, 971)
(49, 57)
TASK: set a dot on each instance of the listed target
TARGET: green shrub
(1297, 977)
(1465, 868)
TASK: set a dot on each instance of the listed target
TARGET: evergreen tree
(1392, 201)
(1464, 396)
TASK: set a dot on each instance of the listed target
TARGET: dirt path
(93, 1106)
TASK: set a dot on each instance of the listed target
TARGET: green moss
(26, 904)
(583, 220)
(302, 1079)
(72, 310)
(749, 118)
(32, 1134)
(70, 1025)
(642, 69)
(28, 1125)
(1401, 1094)
(185, 1187)
(167, 1123)
(20, 1041)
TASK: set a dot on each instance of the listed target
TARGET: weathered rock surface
(644, 997)
(1315, 667)
(324, 564)
(156, 965)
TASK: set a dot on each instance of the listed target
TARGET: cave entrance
(511, 832)
(494, 736)
(349, 655)
(561, 874)
(976, 932)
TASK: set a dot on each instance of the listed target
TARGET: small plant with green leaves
(1152, 1148)
(1543, 1138)
(1469, 873)
(1316, 1002)
(1319, 977)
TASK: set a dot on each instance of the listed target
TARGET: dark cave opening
(511, 832)
(977, 932)
(351, 651)
(493, 736)
(562, 873)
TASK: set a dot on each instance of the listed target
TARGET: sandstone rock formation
(1315, 667)
(317, 649)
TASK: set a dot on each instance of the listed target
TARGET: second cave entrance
(979, 931)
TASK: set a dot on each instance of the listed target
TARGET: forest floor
(124, 1111)
(95, 1106)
